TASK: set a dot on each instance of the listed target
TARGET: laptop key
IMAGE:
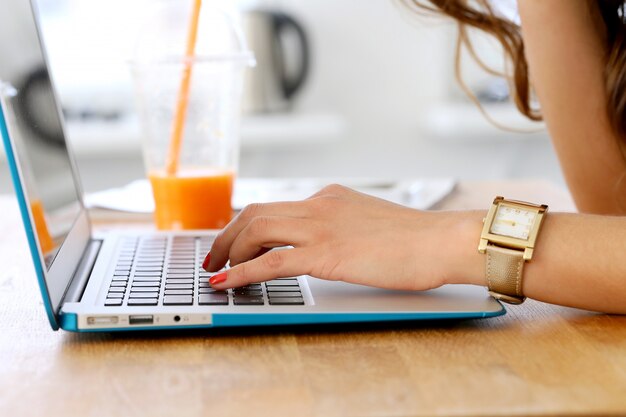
(169, 286)
(156, 251)
(178, 292)
(118, 284)
(246, 301)
(151, 294)
(117, 289)
(118, 278)
(177, 300)
(213, 299)
(178, 281)
(170, 275)
(113, 302)
(144, 289)
(250, 287)
(146, 284)
(287, 301)
(115, 295)
(146, 274)
(250, 293)
(171, 270)
(142, 301)
(282, 283)
(210, 291)
(283, 289)
(152, 269)
(180, 258)
(150, 257)
(149, 268)
(282, 294)
(182, 254)
(154, 278)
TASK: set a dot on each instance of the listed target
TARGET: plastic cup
(198, 195)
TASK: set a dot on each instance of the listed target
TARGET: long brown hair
(479, 14)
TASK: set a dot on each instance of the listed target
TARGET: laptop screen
(34, 124)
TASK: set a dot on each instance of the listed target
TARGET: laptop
(124, 280)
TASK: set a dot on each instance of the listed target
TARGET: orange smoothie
(41, 227)
(193, 200)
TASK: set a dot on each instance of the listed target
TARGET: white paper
(136, 197)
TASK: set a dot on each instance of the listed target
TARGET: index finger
(218, 255)
(274, 264)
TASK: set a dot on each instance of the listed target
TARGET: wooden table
(538, 359)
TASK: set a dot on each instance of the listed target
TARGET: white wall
(386, 72)
(378, 71)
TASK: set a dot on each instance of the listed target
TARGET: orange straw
(178, 125)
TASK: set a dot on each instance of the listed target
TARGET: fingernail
(207, 259)
(216, 279)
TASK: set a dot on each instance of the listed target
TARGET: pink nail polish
(219, 278)
(207, 259)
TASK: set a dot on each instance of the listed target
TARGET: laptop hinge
(83, 272)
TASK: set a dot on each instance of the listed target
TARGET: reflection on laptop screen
(34, 124)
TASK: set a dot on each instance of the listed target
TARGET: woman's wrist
(463, 263)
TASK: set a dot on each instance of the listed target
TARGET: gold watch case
(527, 245)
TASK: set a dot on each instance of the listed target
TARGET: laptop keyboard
(167, 271)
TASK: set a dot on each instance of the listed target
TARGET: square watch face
(513, 222)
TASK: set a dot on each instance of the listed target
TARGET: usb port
(141, 319)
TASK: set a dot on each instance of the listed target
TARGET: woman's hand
(342, 235)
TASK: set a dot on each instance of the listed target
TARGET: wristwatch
(508, 239)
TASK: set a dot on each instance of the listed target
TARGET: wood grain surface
(536, 360)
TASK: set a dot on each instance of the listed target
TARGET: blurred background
(342, 89)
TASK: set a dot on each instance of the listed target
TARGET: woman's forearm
(340, 234)
(566, 52)
(579, 260)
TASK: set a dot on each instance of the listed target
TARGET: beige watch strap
(504, 273)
